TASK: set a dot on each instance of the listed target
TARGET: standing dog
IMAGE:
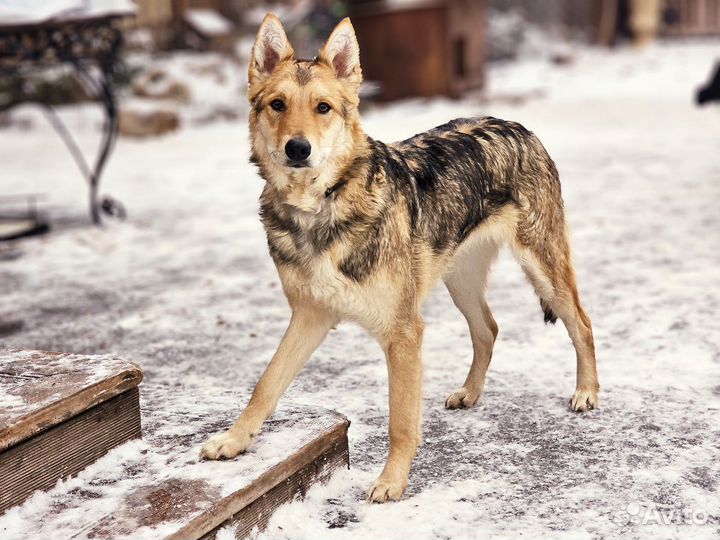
(361, 230)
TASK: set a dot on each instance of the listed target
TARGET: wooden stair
(158, 488)
(58, 414)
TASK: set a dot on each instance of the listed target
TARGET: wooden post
(644, 20)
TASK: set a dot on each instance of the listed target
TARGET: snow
(186, 288)
(209, 21)
(12, 405)
(216, 84)
(37, 11)
(21, 11)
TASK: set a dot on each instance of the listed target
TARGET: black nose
(298, 149)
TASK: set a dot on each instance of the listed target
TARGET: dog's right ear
(271, 47)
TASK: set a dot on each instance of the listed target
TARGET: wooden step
(158, 487)
(14, 228)
(58, 414)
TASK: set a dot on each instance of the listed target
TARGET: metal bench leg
(103, 90)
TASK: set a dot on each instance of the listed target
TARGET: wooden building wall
(423, 48)
(692, 17)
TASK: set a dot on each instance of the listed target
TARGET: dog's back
(461, 173)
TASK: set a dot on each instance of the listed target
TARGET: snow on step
(158, 488)
(34, 383)
(59, 413)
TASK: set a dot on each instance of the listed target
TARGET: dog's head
(304, 120)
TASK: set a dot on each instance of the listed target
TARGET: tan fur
(318, 218)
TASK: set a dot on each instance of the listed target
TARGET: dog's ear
(271, 47)
(342, 53)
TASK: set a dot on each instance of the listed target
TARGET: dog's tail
(550, 317)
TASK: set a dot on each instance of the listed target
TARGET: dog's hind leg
(547, 264)
(466, 283)
(307, 329)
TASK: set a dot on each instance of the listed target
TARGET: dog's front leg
(308, 327)
(405, 377)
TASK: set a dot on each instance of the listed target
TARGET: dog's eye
(323, 108)
(277, 105)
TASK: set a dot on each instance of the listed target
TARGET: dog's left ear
(342, 53)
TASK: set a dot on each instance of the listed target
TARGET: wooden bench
(36, 40)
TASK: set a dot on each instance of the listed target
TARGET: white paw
(225, 445)
(386, 489)
(462, 399)
(584, 400)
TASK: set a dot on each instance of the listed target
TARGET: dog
(711, 91)
(360, 230)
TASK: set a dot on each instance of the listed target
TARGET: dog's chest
(320, 279)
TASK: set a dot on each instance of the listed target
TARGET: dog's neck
(353, 168)
(310, 194)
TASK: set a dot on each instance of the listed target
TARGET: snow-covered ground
(185, 287)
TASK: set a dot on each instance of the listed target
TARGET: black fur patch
(257, 104)
(450, 186)
(303, 75)
(362, 261)
(337, 186)
(303, 70)
(550, 317)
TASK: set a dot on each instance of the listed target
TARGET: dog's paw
(584, 400)
(386, 489)
(225, 445)
(462, 399)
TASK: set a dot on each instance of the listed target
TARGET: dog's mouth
(297, 164)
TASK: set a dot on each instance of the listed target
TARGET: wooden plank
(258, 513)
(274, 487)
(67, 448)
(158, 488)
(695, 18)
(39, 390)
(12, 228)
